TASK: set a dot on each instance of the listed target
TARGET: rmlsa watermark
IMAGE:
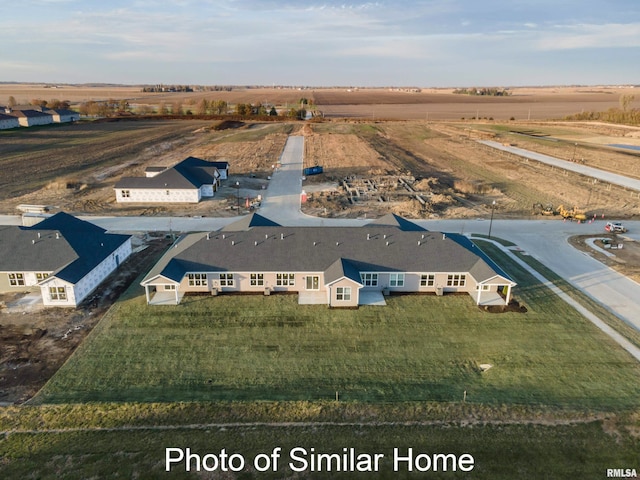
(621, 473)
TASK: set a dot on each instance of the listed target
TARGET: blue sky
(298, 42)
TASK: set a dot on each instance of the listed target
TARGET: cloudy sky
(325, 42)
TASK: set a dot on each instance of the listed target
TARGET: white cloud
(567, 37)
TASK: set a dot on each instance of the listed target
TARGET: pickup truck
(615, 227)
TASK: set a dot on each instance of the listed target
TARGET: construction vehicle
(579, 215)
(539, 209)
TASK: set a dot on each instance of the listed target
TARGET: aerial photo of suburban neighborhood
(368, 240)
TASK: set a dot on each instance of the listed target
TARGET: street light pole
(493, 207)
(238, 195)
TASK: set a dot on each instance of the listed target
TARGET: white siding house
(62, 256)
(187, 182)
(8, 121)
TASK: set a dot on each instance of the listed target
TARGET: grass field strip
(206, 426)
(613, 334)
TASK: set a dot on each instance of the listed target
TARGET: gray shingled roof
(67, 246)
(315, 249)
(191, 173)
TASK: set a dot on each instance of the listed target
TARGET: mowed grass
(417, 348)
(499, 451)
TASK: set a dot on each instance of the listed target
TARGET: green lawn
(559, 402)
(418, 348)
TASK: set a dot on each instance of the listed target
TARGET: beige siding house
(337, 266)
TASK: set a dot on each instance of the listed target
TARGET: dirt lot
(36, 341)
(453, 175)
(625, 260)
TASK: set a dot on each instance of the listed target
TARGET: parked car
(615, 227)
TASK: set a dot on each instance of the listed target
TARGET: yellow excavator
(579, 215)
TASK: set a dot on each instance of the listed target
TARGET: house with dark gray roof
(30, 117)
(63, 115)
(337, 266)
(189, 181)
(8, 121)
(64, 257)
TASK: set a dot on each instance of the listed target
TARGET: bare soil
(625, 260)
(36, 341)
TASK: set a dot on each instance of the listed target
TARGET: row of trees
(112, 108)
(491, 92)
(38, 102)
(613, 115)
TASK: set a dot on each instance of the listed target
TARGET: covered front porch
(157, 295)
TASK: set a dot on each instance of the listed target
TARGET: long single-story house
(8, 121)
(189, 181)
(30, 117)
(62, 115)
(337, 266)
(64, 257)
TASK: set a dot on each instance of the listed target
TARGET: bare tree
(625, 100)
(12, 101)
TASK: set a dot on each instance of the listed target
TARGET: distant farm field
(417, 348)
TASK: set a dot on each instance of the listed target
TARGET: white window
(226, 279)
(41, 276)
(257, 279)
(427, 280)
(369, 279)
(125, 193)
(58, 293)
(456, 280)
(169, 287)
(197, 279)
(16, 279)
(285, 279)
(343, 294)
(396, 280)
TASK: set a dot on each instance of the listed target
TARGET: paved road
(547, 242)
(601, 175)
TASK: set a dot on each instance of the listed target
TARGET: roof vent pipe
(368, 236)
(266, 235)
(233, 242)
(38, 234)
(419, 243)
(255, 244)
(33, 242)
(444, 236)
(207, 236)
(387, 244)
(384, 236)
(223, 236)
(337, 244)
(282, 236)
(314, 244)
(423, 236)
(57, 235)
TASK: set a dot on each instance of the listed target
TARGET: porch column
(508, 294)
(176, 290)
(146, 293)
(479, 288)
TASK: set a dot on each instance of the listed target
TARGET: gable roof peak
(393, 220)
